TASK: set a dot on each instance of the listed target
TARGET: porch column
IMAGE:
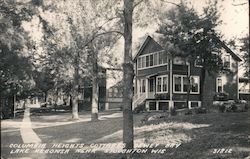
(146, 87)
(170, 84)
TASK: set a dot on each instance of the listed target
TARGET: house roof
(149, 38)
(145, 42)
(234, 55)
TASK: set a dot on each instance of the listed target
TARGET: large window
(152, 59)
(181, 84)
(162, 84)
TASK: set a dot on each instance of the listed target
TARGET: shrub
(139, 109)
(222, 108)
(173, 112)
(233, 108)
(200, 110)
(189, 112)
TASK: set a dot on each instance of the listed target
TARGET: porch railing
(138, 99)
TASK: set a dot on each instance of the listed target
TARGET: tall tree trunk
(75, 88)
(207, 84)
(95, 89)
(75, 104)
(128, 134)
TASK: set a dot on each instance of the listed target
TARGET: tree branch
(107, 32)
(136, 4)
(172, 3)
(240, 4)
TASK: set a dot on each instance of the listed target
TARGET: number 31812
(222, 150)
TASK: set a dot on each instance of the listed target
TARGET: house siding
(151, 46)
(207, 88)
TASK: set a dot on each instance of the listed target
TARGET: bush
(189, 112)
(173, 112)
(139, 109)
(233, 108)
(200, 110)
(222, 108)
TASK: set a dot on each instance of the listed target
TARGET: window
(219, 85)
(181, 84)
(179, 61)
(152, 59)
(163, 106)
(155, 58)
(152, 105)
(116, 92)
(180, 105)
(147, 61)
(143, 62)
(226, 61)
(158, 84)
(194, 104)
(162, 58)
(142, 86)
(139, 63)
(177, 84)
(244, 87)
(151, 85)
(195, 84)
(185, 83)
(162, 84)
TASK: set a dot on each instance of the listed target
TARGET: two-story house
(161, 78)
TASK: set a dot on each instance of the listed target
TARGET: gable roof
(144, 44)
(149, 38)
(234, 55)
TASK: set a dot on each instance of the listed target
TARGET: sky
(235, 24)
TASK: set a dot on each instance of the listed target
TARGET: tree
(195, 37)
(13, 44)
(128, 75)
(244, 48)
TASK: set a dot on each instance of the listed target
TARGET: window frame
(222, 85)
(161, 84)
(198, 86)
(182, 84)
(224, 61)
(142, 62)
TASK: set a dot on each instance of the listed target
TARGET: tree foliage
(244, 48)
(15, 67)
(193, 34)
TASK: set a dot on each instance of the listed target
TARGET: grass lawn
(223, 130)
(198, 134)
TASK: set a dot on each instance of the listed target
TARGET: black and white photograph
(124, 79)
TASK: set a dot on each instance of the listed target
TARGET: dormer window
(226, 62)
